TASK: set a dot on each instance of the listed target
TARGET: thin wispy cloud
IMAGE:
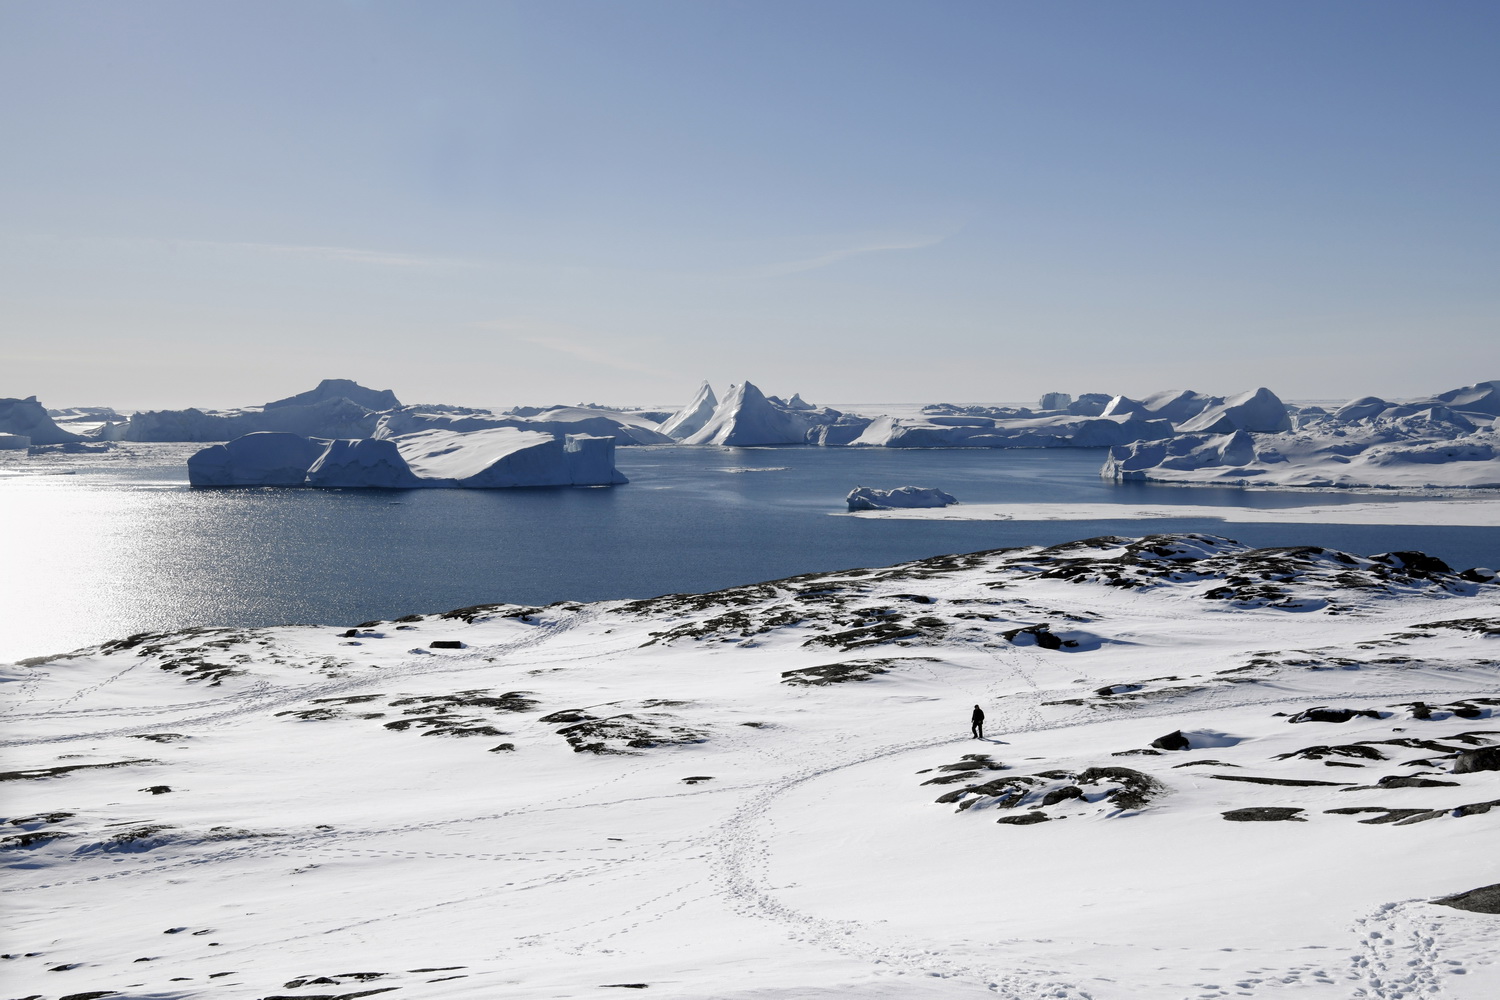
(569, 341)
(845, 253)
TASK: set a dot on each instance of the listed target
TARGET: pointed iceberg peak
(691, 418)
(745, 417)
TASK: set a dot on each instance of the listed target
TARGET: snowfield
(1208, 771)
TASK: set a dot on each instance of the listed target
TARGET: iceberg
(341, 388)
(1259, 410)
(502, 457)
(28, 418)
(492, 458)
(693, 417)
(1366, 442)
(343, 409)
(320, 412)
(865, 498)
(1056, 430)
(264, 458)
(14, 442)
(363, 463)
(746, 418)
(625, 428)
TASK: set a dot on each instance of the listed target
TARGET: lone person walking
(976, 723)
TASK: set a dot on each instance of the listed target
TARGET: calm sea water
(100, 546)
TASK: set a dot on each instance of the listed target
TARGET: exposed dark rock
(566, 715)
(38, 773)
(1386, 815)
(969, 765)
(1203, 763)
(1263, 814)
(503, 748)
(1057, 795)
(697, 778)
(1025, 819)
(1172, 741)
(1041, 634)
(1407, 781)
(34, 839)
(1485, 899)
(445, 644)
(1295, 782)
(1134, 791)
(158, 789)
(627, 733)
(1473, 761)
(849, 670)
(1362, 750)
(1007, 791)
(1325, 714)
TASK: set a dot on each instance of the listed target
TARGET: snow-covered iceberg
(340, 408)
(1366, 442)
(265, 458)
(321, 412)
(28, 418)
(693, 417)
(1057, 430)
(625, 428)
(747, 418)
(493, 458)
(866, 498)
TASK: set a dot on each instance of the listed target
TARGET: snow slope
(771, 792)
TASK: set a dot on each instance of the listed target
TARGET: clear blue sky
(558, 201)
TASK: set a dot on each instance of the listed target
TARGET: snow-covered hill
(1207, 771)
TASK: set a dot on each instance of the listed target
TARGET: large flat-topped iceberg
(495, 458)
